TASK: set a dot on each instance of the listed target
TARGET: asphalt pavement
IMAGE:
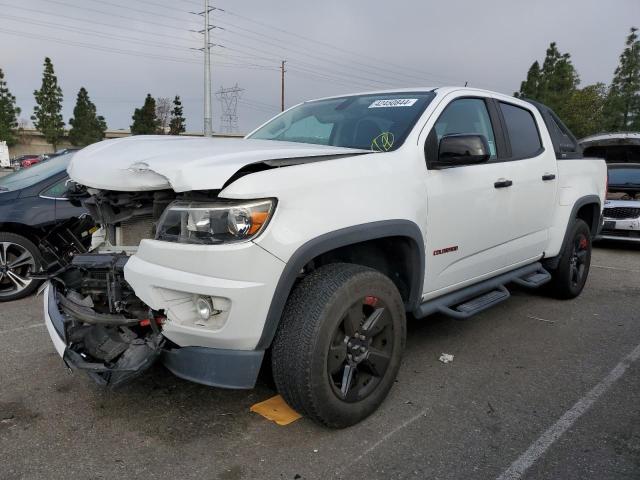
(538, 389)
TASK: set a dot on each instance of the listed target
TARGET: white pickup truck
(315, 236)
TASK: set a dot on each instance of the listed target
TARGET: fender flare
(341, 238)
(552, 262)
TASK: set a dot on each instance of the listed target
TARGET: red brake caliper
(370, 300)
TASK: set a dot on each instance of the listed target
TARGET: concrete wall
(32, 142)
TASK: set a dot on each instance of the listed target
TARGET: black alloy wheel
(361, 349)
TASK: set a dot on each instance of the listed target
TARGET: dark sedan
(41, 226)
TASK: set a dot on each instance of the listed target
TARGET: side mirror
(462, 149)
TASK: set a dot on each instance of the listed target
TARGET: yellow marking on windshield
(383, 142)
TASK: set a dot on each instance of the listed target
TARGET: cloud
(145, 47)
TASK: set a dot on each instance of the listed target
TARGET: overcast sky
(120, 50)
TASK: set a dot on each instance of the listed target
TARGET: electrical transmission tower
(206, 49)
(229, 102)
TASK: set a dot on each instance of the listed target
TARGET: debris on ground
(446, 358)
(540, 319)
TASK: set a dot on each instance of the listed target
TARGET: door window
(57, 190)
(466, 115)
(522, 130)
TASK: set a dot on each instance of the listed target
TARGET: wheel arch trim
(579, 203)
(341, 238)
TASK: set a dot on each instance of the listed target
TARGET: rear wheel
(19, 258)
(569, 278)
(339, 344)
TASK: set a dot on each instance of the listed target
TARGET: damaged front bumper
(115, 346)
(109, 342)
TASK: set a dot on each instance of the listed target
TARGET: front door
(470, 210)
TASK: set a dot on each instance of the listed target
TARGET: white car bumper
(616, 229)
(239, 279)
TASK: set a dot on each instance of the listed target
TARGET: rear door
(533, 171)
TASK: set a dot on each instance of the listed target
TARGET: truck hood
(150, 162)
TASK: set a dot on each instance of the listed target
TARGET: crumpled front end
(134, 300)
(100, 325)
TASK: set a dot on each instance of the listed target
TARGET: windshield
(32, 175)
(624, 176)
(378, 122)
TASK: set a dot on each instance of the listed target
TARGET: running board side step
(477, 304)
(534, 280)
(473, 299)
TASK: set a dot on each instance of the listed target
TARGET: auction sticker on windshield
(394, 102)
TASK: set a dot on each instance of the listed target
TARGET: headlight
(214, 222)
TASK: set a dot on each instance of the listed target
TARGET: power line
(310, 55)
(339, 77)
(84, 20)
(94, 33)
(127, 7)
(376, 70)
(337, 48)
(327, 58)
(293, 60)
(260, 102)
(313, 70)
(257, 108)
(115, 15)
(124, 38)
(319, 77)
(101, 48)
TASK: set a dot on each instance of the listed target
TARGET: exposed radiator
(132, 231)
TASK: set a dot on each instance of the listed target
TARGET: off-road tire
(563, 284)
(35, 253)
(300, 351)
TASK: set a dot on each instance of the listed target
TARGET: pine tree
(47, 116)
(584, 109)
(178, 122)
(622, 110)
(554, 83)
(145, 121)
(8, 113)
(558, 80)
(86, 126)
(530, 88)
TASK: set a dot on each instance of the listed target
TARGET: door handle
(502, 183)
(548, 176)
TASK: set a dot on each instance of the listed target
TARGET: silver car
(622, 207)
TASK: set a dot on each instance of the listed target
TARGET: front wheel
(569, 278)
(19, 258)
(339, 344)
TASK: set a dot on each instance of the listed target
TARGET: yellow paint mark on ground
(276, 410)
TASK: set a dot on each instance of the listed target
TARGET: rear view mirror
(462, 149)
